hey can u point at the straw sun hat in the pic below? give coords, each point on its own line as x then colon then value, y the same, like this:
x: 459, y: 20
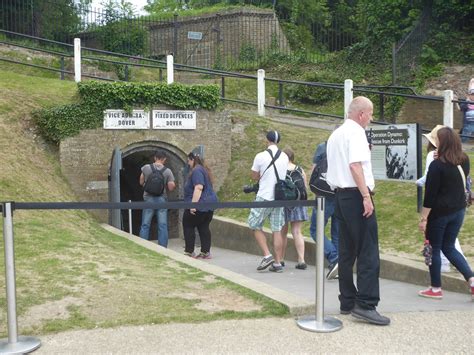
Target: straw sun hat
x: 433, y: 135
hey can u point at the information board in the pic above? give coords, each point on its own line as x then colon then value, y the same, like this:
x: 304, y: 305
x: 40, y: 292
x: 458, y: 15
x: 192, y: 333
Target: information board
x: 394, y: 151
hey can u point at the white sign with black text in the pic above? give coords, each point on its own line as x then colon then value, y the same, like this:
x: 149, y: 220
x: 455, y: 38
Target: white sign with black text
x: 394, y: 151
x: 165, y: 119
x: 121, y: 119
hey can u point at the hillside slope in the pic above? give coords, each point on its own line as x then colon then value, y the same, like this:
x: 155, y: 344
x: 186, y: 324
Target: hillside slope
x: 72, y: 274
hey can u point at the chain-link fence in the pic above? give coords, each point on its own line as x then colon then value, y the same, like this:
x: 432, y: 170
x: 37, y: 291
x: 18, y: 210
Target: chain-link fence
x: 406, y: 54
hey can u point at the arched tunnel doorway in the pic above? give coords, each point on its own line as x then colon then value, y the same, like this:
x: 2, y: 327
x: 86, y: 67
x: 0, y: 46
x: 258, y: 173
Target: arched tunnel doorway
x: 132, y: 159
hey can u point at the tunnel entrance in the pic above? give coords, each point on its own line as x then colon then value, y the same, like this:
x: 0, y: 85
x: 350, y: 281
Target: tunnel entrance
x: 129, y: 170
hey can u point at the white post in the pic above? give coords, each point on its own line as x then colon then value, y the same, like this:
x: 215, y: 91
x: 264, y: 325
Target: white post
x: 348, y: 94
x: 77, y: 60
x: 169, y: 69
x: 130, y: 219
x: 448, y: 108
x: 261, y: 92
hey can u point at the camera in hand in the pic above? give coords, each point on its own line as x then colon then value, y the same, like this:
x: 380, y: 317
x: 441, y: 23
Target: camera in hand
x: 250, y: 188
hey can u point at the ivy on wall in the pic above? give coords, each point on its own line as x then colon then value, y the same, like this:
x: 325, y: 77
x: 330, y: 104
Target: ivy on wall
x: 59, y: 122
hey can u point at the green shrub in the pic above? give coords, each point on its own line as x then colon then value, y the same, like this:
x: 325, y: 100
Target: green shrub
x: 123, y: 37
x: 59, y: 122
x: 314, y: 94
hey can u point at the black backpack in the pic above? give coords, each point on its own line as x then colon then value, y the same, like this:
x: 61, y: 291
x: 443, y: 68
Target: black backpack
x: 155, y: 184
x: 297, y: 177
x: 317, y: 181
x: 284, y: 189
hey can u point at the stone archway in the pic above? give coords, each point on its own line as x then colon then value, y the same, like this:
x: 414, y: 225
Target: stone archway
x: 86, y: 158
x: 133, y: 158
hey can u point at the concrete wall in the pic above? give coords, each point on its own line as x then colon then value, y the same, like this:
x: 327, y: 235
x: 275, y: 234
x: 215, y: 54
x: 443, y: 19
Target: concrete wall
x: 233, y: 235
x: 85, y: 159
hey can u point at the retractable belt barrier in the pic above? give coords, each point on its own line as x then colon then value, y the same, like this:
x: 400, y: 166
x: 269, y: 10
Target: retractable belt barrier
x: 21, y: 344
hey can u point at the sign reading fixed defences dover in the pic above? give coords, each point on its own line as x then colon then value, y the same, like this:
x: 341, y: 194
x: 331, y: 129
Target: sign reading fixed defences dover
x: 163, y: 119
x: 121, y: 119
x: 394, y: 151
x: 140, y: 119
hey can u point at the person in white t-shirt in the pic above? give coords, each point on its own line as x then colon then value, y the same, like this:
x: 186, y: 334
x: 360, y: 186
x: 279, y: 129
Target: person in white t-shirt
x: 264, y: 173
x: 350, y: 175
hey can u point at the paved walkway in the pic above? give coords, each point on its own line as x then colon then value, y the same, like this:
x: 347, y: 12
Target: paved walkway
x: 395, y: 296
x: 418, y: 325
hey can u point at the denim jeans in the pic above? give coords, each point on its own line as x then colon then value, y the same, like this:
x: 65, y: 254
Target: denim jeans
x: 442, y: 233
x: 331, y: 247
x: 468, y: 130
x: 161, y: 218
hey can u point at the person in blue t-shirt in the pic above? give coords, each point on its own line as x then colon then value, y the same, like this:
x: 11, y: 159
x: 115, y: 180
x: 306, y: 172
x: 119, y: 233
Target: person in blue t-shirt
x: 198, y: 188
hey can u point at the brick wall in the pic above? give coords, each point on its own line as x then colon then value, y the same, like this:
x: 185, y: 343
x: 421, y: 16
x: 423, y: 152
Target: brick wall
x: 85, y: 159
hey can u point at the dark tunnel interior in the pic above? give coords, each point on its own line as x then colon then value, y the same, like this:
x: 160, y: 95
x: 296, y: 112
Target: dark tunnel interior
x: 130, y: 189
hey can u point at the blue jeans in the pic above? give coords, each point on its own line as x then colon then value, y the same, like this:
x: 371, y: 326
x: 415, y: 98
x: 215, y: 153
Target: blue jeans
x: 331, y: 247
x: 161, y: 218
x: 442, y: 233
x: 468, y: 130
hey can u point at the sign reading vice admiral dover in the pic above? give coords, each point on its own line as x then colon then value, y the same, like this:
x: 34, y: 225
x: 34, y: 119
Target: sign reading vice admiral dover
x: 120, y: 119
x: 164, y: 119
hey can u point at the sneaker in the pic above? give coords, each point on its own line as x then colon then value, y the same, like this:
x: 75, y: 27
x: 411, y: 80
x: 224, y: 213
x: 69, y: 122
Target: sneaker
x: 276, y: 268
x: 204, y: 255
x: 429, y: 293
x: 332, y: 273
x: 191, y: 255
x: 370, y: 315
x: 266, y: 262
x: 301, y: 266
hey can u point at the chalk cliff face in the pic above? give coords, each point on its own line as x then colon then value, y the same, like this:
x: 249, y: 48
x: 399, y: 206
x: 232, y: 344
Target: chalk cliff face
x: 456, y: 78
x: 430, y: 113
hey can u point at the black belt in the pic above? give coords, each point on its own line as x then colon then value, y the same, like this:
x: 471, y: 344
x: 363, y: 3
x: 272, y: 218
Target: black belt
x: 341, y: 189
x: 346, y: 189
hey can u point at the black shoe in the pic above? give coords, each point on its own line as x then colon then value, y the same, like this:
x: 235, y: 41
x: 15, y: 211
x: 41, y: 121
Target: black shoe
x: 370, y: 315
x: 301, y: 266
x: 332, y: 273
x: 282, y: 263
x: 344, y: 311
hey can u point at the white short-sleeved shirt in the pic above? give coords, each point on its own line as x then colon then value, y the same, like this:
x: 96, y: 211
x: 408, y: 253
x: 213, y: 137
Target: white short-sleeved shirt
x: 268, y: 179
x: 348, y: 144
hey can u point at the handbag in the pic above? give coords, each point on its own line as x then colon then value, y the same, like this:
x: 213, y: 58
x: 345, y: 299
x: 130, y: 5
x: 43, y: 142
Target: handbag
x: 427, y: 252
x: 467, y: 189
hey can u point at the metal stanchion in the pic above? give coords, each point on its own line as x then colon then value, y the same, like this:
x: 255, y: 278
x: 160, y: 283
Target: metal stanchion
x: 130, y: 220
x: 319, y: 323
x: 14, y: 344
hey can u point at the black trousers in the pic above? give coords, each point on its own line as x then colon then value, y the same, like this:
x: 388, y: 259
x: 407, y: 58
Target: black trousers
x: 358, y: 241
x: 201, y: 221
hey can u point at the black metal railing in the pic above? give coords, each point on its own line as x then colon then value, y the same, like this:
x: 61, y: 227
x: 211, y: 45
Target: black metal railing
x: 240, y: 37
x: 378, y: 93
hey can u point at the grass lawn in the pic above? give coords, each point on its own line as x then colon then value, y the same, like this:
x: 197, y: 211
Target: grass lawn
x: 71, y: 273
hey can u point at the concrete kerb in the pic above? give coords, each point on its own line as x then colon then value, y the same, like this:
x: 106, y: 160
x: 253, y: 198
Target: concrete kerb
x: 297, y: 306
x: 233, y: 235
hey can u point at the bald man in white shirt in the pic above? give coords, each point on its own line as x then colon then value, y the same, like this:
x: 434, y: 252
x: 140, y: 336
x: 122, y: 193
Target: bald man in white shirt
x: 350, y: 174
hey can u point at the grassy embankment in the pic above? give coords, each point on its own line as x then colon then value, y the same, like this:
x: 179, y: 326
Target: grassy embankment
x: 72, y: 274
